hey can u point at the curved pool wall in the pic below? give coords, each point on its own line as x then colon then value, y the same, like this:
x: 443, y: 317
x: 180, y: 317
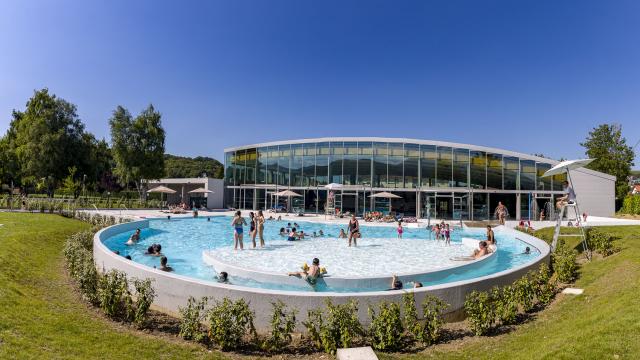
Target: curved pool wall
x: 174, y: 290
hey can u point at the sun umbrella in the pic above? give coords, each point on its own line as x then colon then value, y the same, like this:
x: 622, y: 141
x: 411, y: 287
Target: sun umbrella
x: 288, y: 194
x: 200, y: 191
x: 565, y: 166
x: 162, y: 190
x: 386, y: 195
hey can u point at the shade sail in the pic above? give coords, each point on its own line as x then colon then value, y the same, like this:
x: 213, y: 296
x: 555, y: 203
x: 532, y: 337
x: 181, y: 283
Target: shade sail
x: 287, y: 193
x: 567, y: 165
x: 161, y: 189
x: 200, y: 191
x: 386, y: 195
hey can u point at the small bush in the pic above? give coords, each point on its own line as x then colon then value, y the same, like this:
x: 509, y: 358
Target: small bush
x: 80, y: 264
x: 480, y: 312
x: 314, y: 325
x: 114, y: 295
x: 564, y: 263
x: 386, y: 328
x: 601, y: 242
x: 192, y: 317
x: 340, y: 327
x: 229, y: 322
x: 524, y: 294
x: 432, y: 310
x: 506, y: 304
x: 144, y: 298
x: 543, y: 286
x: 411, y: 323
x: 282, y: 325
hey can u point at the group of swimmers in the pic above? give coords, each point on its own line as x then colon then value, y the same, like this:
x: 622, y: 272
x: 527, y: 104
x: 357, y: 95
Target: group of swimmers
x: 152, y: 250
x: 442, y: 231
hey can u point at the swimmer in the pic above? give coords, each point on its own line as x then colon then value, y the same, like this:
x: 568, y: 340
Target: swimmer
x: 527, y: 251
x: 163, y: 264
x: 283, y: 232
x: 342, y: 235
x: 223, y: 277
x: 134, y: 238
x: 311, y: 275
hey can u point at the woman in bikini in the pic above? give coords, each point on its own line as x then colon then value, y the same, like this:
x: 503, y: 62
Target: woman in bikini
x: 253, y: 231
x: 237, y: 223
x: 260, y: 223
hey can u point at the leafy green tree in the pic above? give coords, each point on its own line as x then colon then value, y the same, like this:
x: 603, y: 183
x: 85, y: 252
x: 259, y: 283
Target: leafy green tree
x: 613, y: 156
x: 71, y: 185
x: 137, y: 146
x: 46, y: 140
x: 8, y: 162
x: 185, y: 167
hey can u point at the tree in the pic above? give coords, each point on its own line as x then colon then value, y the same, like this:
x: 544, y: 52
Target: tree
x: 46, y: 140
x: 186, y: 167
x: 137, y: 146
x: 606, y: 144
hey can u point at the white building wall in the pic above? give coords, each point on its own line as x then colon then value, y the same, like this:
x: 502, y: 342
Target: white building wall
x: 214, y: 200
x: 595, y: 192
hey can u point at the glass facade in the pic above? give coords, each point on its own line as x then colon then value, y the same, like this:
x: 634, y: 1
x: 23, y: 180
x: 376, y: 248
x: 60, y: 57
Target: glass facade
x: 476, y: 179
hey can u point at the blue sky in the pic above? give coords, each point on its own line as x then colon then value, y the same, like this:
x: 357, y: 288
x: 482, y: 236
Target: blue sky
x: 529, y: 76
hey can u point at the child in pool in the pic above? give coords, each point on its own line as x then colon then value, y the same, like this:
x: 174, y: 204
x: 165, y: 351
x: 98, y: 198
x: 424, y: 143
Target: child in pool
x: 399, y: 229
x: 447, y: 235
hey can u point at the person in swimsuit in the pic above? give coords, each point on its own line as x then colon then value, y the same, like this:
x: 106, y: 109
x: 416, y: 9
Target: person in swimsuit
x: 447, y: 235
x: 293, y: 235
x: 311, y: 275
x: 399, y: 229
x: 260, y: 223
x: 501, y: 212
x: 283, y: 232
x: 253, y: 231
x: 437, y: 231
x: 491, y: 246
x: 396, y: 284
x: 237, y: 223
x: 163, y: 264
x: 354, y: 230
x: 490, y: 234
x: 134, y: 238
x: 342, y: 235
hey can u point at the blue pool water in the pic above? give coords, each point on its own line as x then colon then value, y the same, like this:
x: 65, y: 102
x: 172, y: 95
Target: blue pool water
x: 184, y: 240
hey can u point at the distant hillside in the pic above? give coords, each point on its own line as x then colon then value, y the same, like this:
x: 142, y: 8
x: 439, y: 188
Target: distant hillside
x: 186, y: 167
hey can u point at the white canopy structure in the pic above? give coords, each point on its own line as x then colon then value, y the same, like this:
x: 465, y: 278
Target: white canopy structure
x: 566, y: 166
x: 385, y: 194
x: 200, y: 191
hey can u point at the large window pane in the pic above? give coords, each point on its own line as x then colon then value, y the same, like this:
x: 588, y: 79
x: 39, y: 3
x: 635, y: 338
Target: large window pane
x: 322, y: 164
x: 296, y: 165
x: 494, y: 171
x: 380, y: 152
x: 309, y: 164
x: 365, y: 154
x: 444, y: 167
x: 272, y: 165
x: 250, y: 163
x: 261, y: 166
x: 411, y: 164
x: 428, y: 157
x: 229, y: 172
x: 511, y: 169
x: 543, y: 183
x: 527, y: 174
x: 478, y: 169
x: 396, y: 158
x: 240, y: 161
x: 350, y: 163
x: 284, y: 161
x: 460, y: 167
x: 335, y: 162
x: 558, y: 180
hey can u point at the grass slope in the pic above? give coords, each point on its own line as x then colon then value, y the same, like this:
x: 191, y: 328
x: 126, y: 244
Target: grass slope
x: 602, y: 323
x: 41, y: 316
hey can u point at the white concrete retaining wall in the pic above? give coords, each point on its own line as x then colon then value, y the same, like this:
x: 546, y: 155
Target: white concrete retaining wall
x: 173, y: 290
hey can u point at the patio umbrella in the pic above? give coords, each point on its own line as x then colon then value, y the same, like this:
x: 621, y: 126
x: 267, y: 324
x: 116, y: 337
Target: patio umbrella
x: 162, y: 190
x: 386, y: 195
x: 288, y: 194
x: 565, y: 166
x: 200, y: 191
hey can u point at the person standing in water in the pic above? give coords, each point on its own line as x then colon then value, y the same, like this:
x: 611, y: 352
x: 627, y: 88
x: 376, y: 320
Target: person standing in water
x: 252, y: 229
x: 490, y: 234
x: 237, y: 223
x: 400, y: 229
x: 354, y: 230
x: 260, y: 223
x: 501, y: 212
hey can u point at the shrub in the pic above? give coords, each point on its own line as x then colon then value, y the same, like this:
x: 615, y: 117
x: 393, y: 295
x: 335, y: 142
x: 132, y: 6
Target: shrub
x: 114, y: 295
x: 480, y: 312
x: 564, y: 262
x: 544, y: 287
x: 282, y: 325
x: 80, y: 264
x: 340, y: 327
x: 386, y: 328
x: 432, y: 309
x: 524, y: 293
x: 229, y: 322
x: 505, y: 303
x: 144, y: 298
x: 192, y: 317
x: 411, y: 323
x: 601, y: 242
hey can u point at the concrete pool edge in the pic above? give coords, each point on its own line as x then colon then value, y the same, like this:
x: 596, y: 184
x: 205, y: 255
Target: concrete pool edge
x: 174, y: 290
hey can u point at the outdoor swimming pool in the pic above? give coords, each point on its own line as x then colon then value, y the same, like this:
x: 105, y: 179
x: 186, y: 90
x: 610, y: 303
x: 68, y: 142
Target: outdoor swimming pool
x: 379, y: 254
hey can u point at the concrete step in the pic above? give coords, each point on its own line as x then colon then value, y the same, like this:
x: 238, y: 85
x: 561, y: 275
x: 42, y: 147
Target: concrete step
x: 361, y: 353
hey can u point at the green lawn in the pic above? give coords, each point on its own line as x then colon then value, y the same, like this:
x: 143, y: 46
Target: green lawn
x: 40, y: 315
x: 602, y: 323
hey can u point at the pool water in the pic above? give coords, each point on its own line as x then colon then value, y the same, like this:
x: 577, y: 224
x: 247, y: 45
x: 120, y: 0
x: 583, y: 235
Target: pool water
x: 379, y: 252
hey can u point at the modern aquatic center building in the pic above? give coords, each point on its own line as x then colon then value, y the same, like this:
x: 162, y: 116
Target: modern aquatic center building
x: 431, y: 179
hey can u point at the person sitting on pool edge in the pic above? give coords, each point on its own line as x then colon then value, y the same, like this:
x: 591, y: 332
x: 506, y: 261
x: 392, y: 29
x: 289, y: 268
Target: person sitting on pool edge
x: 396, y: 284
x: 311, y: 275
x: 163, y: 264
x: 293, y: 235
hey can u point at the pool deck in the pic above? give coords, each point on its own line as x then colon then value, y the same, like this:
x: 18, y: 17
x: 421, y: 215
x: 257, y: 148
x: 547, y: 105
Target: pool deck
x: 150, y: 214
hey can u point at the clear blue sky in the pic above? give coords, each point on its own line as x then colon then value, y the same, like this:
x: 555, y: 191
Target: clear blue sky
x: 529, y: 76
